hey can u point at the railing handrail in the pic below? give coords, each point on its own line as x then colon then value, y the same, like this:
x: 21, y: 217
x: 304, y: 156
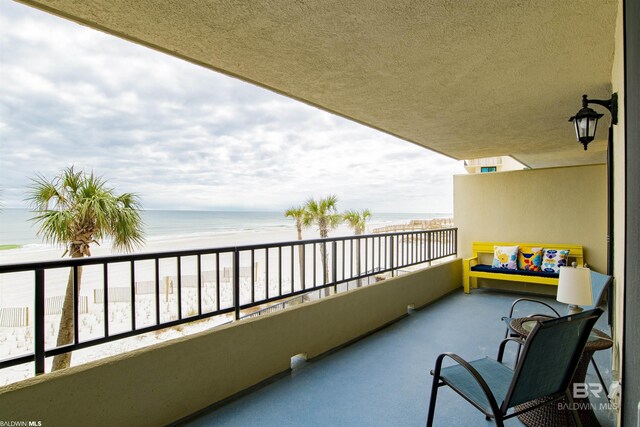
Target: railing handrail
x: 374, y: 254
x: 144, y: 256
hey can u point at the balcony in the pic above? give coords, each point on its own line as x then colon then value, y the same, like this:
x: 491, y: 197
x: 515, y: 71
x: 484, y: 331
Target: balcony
x: 384, y: 378
x: 367, y: 361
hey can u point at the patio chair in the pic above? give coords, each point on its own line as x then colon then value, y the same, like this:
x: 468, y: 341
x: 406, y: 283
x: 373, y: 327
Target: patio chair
x: 599, y: 287
x: 494, y: 388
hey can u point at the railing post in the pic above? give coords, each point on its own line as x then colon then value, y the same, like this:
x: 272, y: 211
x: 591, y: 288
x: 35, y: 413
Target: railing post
x: 236, y: 282
x: 334, y: 265
x: 76, y: 315
x: 455, y: 241
x: 429, y: 256
x: 179, y: 284
x: 199, y: 279
x: 325, y: 260
x: 391, y: 261
x: 39, y: 323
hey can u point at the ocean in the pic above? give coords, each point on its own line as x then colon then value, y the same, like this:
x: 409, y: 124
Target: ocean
x: 17, y: 229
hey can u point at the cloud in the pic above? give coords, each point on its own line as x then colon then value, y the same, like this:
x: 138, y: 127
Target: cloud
x: 184, y: 137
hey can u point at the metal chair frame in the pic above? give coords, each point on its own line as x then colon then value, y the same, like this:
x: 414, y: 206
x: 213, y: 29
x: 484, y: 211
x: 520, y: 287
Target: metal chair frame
x: 511, y: 333
x: 499, y: 412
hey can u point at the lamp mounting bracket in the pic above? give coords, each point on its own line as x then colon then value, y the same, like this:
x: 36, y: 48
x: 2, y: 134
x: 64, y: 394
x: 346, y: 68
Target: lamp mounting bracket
x: 610, y: 104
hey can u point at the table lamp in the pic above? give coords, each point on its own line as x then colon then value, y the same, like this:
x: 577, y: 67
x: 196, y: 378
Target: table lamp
x: 574, y: 288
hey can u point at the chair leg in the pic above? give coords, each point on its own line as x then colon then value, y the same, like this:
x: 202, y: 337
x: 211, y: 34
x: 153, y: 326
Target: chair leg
x: 593, y: 362
x: 432, y: 400
x: 499, y: 420
x: 572, y: 409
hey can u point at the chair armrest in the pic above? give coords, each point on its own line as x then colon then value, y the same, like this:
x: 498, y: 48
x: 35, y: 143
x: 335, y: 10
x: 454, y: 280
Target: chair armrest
x: 513, y: 305
x: 504, y: 343
x: 474, y: 373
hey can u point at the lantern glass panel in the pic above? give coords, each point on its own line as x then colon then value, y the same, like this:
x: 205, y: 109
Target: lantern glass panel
x: 591, y: 128
x: 576, y: 125
x: 582, y: 127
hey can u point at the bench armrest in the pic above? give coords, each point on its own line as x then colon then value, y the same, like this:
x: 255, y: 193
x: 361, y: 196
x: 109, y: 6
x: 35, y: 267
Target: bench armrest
x: 471, y: 261
x: 467, y: 263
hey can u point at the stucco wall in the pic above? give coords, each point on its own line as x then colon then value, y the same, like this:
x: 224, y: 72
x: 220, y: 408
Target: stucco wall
x: 511, y: 164
x: 166, y: 382
x: 556, y: 205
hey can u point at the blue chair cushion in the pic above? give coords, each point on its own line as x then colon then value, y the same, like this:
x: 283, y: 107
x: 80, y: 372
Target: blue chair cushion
x: 489, y: 269
x: 497, y: 376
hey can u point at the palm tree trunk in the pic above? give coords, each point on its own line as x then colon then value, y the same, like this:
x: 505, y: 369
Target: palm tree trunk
x: 65, y: 331
x: 324, y: 233
x: 325, y: 268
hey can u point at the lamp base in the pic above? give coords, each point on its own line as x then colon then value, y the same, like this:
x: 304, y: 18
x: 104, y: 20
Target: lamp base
x: 575, y: 309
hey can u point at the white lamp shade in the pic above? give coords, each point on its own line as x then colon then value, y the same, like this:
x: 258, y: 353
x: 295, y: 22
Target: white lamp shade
x: 574, y: 286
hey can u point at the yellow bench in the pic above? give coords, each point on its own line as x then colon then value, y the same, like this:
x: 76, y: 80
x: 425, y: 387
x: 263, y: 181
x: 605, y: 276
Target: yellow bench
x: 470, y: 278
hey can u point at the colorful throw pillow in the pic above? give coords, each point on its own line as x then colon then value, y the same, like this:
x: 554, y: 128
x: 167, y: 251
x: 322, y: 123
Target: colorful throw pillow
x: 553, y: 259
x: 530, y: 260
x: 505, y: 257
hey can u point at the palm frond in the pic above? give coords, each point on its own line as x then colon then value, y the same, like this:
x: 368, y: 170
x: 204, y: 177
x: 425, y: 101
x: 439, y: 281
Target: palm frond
x: 334, y: 220
x: 295, y: 212
x: 42, y: 193
x: 357, y: 219
x: 323, y: 213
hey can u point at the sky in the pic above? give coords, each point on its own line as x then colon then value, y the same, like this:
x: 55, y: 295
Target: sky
x: 184, y: 137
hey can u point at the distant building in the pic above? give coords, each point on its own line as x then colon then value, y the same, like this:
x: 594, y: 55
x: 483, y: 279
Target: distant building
x: 493, y: 164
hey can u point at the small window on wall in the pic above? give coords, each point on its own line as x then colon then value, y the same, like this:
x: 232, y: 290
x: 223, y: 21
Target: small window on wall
x: 484, y: 169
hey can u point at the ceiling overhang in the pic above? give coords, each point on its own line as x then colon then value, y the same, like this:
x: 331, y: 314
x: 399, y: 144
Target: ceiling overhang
x: 466, y: 79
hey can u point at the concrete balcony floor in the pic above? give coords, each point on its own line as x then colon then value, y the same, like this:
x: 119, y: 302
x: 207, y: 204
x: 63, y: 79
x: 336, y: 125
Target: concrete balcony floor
x: 384, y: 380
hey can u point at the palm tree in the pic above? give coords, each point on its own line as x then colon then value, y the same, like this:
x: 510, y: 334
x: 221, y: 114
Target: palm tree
x: 75, y: 210
x: 358, y: 221
x: 324, y: 214
x: 298, y: 213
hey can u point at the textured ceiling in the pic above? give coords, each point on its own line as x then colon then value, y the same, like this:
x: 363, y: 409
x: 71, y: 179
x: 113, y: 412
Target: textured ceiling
x: 468, y: 79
